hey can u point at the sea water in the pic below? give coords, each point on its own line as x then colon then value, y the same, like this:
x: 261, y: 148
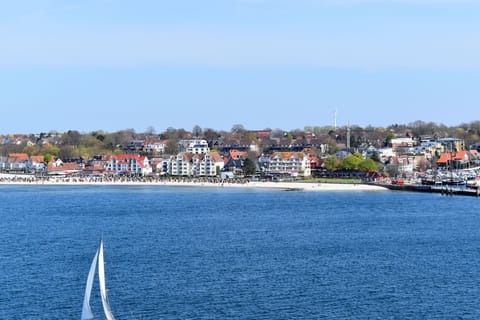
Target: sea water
x: 224, y: 253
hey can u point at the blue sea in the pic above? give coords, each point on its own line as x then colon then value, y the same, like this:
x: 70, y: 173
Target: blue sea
x: 218, y: 253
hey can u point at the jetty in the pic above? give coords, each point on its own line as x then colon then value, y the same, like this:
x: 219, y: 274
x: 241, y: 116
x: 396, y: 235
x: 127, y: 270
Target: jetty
x: 444, y: 190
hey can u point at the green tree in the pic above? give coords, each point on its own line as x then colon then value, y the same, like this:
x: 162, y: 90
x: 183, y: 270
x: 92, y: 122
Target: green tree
x: 249, y: 167
x: 30, y: 150
x: 48, y: 157
x: 52, y: 150
x: 367, y: 165
x: 389, y: 138
x: 351, y: 162
x: 331, y: 163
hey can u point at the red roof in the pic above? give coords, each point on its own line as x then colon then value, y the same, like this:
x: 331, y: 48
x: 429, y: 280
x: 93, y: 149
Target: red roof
x: 19, y: 156
x: 38, y: 159
x: 235, y: 154
x: 121, y: 157
x: 63, y: 166
x: 445, y: 157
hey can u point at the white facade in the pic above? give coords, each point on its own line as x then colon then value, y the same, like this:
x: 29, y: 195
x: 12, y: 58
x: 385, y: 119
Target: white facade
x: 180, y: 165
x: 35, y: 163
x: 154, y: 146
x: 12, y: 163
x: 190, y: 164
x: 402, y: 143
x: 128, y: 163
x: 193, y: 146
x: 293, y: 163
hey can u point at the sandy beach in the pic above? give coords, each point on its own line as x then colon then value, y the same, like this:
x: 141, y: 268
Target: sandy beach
x: 8, y: 179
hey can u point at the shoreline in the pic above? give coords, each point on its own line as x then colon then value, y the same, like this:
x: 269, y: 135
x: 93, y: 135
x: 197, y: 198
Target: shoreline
x: 287, y: 186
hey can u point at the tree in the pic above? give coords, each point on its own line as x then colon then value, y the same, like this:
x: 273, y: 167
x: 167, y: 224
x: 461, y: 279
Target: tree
x: 331, y: 163
x: 113, y: 140
x: 66, y: 152
x: 197, y: 131
x: 30, y: 150
x: 72, y: 137
x: 150, y: 131
x: 210, y: 134
x: 392, y: 170
x: 375, y: 156
x: 171, y: 147
x: 238, y: 128
x: 248, y: 167
x: 389, y: 138
x: 422, y: 164
x: 351, y: 162
x: 52, y: 150
x: 367, y: 165
x: 47, y: 158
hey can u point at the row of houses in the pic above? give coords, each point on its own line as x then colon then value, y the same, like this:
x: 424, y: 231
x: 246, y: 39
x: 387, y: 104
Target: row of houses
x: 196, y: 159
x: 182, y: 164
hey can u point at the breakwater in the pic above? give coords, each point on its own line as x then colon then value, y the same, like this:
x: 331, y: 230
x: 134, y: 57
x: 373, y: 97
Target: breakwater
x: 444, y: 190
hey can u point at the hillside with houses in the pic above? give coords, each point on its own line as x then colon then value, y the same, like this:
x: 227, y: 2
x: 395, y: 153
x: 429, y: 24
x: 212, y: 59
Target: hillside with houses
x: 420, y: 150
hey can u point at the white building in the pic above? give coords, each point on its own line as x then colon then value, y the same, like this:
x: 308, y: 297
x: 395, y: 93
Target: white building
x: 292, y: 163
x: 402, y: 143
x: 36, y: 163
x: 196, y: 146
x: 191, y: 164
x: 130, y: 164
x: 152, y: 146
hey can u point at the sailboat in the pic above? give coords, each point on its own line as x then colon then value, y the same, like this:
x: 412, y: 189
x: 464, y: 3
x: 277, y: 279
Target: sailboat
x: 87, y: 313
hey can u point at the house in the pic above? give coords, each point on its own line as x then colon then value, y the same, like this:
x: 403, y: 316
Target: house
x: 19, y: 156
x: 457, y: 160
x: 234, y: 161
x: 385, y: 154
x: 195, y: 146
x: 399, y: 144
x: 452, y: 144
x: 3, y: 163
x: 405, y: 164
x: 289, y: 163
x: 243, y: 145
x: 58, y: 167
x: 129, y: 164
x: 154, y: 146
x: 16, y: 162
x: 36, y: 163
x: 192, y: 164
x: 133, y: 147
x: 207, y: 164
x: 429, y: 148
x: 180, y: 165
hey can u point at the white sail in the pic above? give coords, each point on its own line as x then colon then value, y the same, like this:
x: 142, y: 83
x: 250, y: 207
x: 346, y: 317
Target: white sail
x: 86, y: 310
x: 103, y: 289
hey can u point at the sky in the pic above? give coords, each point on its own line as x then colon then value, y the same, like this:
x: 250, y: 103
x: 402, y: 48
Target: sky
x: 88, y: 65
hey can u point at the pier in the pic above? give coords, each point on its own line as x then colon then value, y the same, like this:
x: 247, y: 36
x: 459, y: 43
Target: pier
x: 443, y: 190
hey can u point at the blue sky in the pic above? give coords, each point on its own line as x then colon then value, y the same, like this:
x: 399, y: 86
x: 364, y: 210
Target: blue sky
x: 111, y: 65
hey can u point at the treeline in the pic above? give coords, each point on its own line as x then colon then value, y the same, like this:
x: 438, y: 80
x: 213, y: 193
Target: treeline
x: 75, y: 144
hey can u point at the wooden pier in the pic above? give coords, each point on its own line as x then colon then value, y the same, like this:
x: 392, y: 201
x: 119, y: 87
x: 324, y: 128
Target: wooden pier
x: 444, y: 190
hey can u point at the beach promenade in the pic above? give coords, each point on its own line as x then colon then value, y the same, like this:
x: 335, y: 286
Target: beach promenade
x: 8, y: 179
